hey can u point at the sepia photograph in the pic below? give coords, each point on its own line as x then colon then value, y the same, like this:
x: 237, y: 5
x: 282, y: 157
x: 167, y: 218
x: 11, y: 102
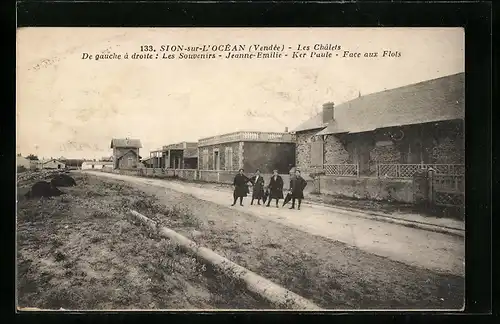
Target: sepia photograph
x: 311, y: 169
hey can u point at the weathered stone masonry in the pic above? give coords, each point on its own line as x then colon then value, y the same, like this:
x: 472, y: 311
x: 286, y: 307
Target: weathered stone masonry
x: 334, y: 151
x: 432, y: 143
x: 303, y: 149
x: 222, y: 155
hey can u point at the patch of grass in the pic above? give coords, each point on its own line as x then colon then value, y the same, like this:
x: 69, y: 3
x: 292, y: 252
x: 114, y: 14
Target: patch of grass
x: 169, y: 259
x: 100, y: 214
x: 147, y: 204
x: 183, y: 216
x: 94, y: 193
x: 96, y: 239
x: 65, y: 199
x: 60, y: 257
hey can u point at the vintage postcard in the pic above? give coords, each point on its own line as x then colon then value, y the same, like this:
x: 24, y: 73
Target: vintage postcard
x: 240, y: 168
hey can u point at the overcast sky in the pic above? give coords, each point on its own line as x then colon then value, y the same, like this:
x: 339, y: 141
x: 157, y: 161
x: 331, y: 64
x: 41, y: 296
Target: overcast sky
x: 71, y: 107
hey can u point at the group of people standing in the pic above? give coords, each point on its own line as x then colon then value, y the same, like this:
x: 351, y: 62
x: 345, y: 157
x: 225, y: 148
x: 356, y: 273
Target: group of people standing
x: 274, y: 188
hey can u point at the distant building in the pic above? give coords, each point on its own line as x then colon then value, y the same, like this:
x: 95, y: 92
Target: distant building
x: 50, y: 164
x: 126, y: 153
x: 181, y: 155
x: 22, y: 162
x: 148, y: 162
x: 97, y: 165
x: 249, y: 150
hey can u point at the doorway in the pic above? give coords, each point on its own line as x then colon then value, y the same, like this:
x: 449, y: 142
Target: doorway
x: 216, y: 160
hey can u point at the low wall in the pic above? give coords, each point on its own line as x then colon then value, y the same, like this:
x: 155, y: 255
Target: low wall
x: 224, y: 177
x: 188, y: 174
x: 400, y: 190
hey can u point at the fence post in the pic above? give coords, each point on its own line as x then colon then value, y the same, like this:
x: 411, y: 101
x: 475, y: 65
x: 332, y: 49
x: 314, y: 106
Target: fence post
x: 430, y: 172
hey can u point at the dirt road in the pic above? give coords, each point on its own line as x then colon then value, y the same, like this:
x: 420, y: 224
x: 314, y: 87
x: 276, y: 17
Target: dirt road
x: 429, y: 250
x: 331, y: 273
x: 80, y: 251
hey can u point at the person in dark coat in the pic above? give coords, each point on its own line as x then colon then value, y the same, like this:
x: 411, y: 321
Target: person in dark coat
x: 275, y: 188
x: 240, y: 187
x: 258, y: 187
x: 297, y: 185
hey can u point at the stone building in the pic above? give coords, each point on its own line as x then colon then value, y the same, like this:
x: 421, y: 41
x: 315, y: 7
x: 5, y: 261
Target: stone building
x: 126, y: 153
x: 390, y: 133
x: 248, y: 150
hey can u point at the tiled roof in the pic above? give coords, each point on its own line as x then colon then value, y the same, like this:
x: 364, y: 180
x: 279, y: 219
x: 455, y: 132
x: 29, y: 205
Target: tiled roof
x: 125, y: 142
x: 315, y: 122
x: 429, y: 101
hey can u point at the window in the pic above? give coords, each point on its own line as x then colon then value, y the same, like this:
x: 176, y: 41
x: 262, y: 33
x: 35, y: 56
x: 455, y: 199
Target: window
x: 216, y: 163
x: 229, y: 159
x: 205, y: 159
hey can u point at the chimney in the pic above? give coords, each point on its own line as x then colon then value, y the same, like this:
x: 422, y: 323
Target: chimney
x: 328, y: 112
x: 286, y: 129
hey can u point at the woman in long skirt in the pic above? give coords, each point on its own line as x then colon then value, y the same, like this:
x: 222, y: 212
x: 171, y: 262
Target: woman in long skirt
x: 258, y: 187
x: 275, y: 188
x: 297, y: 185
x: 240, y: 188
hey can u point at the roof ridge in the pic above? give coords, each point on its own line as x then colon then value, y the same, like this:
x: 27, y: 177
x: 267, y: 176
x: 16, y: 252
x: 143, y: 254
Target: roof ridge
x: 317, y: 120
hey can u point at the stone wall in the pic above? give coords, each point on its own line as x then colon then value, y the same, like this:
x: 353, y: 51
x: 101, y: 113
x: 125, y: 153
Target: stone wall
x: 385, y: 154
x: 222, y: 153
x: 222, y: 177
x: 367, y: 188
x: 447, y: 150
x: 303, y: 150
x: 335, y: 152
x: 432, y: 143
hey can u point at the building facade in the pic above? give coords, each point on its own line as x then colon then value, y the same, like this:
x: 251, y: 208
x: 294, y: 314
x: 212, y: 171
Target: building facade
x: 265, y: 151
x: 50, y: 164
x: 390, y: 134
x: 182, y: 155
x: 96, y: 165
x: 126, y: 153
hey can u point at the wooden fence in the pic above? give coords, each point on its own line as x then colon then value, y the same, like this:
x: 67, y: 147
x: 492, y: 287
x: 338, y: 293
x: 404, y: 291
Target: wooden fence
x: 408, y: 170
